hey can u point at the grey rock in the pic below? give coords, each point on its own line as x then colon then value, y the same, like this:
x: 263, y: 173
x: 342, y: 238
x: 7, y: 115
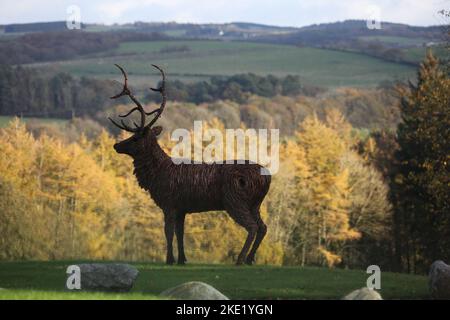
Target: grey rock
x: 363, y: 294
x: 194, y: 290
x: 115, y: 277
x: 439, y: 280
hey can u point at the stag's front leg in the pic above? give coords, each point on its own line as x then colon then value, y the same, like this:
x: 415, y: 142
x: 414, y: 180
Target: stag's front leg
x: 169, y: 226
x: 179, y: 230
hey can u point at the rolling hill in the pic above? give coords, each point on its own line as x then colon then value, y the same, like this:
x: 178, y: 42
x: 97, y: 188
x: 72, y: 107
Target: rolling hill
x: 203, y: 59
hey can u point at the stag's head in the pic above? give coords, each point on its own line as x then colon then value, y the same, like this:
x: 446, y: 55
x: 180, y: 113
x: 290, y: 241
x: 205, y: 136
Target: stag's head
x: 144, y: 135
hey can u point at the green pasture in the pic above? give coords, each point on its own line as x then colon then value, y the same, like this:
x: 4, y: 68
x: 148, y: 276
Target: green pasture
x: 46, y: 280
x: 208, y: 58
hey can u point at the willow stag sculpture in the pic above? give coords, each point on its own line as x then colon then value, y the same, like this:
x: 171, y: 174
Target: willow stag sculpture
x: 179, y: 189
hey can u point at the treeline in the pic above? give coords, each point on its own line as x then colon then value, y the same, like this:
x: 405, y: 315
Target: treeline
x: 375, y: 48
x: 38, y: 27
x: 364, y: 109
x: 62, y: 45
x: 24, y: 92
x: 238, y: 88
x: 255, y: 100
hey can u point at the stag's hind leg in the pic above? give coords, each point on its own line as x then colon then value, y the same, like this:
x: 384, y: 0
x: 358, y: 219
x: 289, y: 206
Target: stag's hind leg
x: 252, y: 230
x: 262, y: 230
x: 244, y: 218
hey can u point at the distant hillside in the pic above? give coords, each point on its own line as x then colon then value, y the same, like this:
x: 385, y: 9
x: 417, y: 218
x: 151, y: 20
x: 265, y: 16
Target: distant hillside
x: 47, y: 41
x: 316, y: 34
x: 333, y: 33
x: 392, y: 42
x: 229, y: 31
x: 64, y: 45
x: 37, y: 27
x: 326, y: 55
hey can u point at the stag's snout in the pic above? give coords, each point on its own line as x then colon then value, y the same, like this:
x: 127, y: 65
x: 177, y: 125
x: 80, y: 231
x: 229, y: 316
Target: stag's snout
x: 120, y: 148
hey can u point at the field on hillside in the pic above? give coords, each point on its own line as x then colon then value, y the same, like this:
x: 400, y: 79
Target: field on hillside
x: 402, y: 41
x: 4, y: 121
x: 417, y: 54
x: 203, y: 59
x: 46, y: 280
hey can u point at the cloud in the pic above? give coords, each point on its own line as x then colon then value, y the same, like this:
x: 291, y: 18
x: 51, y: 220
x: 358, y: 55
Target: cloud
x: 113, y: 11
x: 280, y: 12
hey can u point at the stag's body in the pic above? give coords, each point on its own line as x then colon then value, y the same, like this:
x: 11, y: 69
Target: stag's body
x: 182, y: 188
x: 201, y: 187
x: 179, y: 189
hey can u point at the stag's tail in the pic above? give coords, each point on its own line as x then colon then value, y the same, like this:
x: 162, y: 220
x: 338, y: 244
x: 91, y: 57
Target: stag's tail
x: 265, y: 180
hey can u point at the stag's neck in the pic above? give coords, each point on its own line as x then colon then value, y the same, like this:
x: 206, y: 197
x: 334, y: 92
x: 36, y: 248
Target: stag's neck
x: 147, y: 166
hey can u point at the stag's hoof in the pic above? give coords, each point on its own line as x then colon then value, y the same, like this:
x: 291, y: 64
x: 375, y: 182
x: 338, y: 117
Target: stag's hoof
x: 249, y: 261
x: 181, y: 262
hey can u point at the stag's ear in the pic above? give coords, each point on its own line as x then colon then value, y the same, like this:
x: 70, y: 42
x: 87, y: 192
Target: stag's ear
x: 157, y: 130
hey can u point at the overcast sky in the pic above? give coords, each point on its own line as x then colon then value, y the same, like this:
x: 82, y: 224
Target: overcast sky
x: 275, y: 12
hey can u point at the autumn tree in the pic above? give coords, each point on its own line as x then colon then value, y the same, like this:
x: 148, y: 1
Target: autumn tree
x: 323, y: 219
x: 71, y: 199
x: 328, y: 204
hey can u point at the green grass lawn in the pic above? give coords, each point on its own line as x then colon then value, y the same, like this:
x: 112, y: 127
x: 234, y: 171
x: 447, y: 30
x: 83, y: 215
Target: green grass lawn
x: 207, y: 58
x: 46, y: 280
x: 58, y: 295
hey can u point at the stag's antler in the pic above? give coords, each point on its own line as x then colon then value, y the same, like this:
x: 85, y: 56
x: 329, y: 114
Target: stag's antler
x: 126, y: 92
x: 162, y: 91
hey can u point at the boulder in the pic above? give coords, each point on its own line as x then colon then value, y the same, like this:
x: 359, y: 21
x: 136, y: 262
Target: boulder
x: 194, y: 290
x: 115, y: 277
x: 363, y: 294
x: 439, y: 280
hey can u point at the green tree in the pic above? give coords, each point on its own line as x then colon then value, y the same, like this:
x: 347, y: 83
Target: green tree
x: 424, y: 140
